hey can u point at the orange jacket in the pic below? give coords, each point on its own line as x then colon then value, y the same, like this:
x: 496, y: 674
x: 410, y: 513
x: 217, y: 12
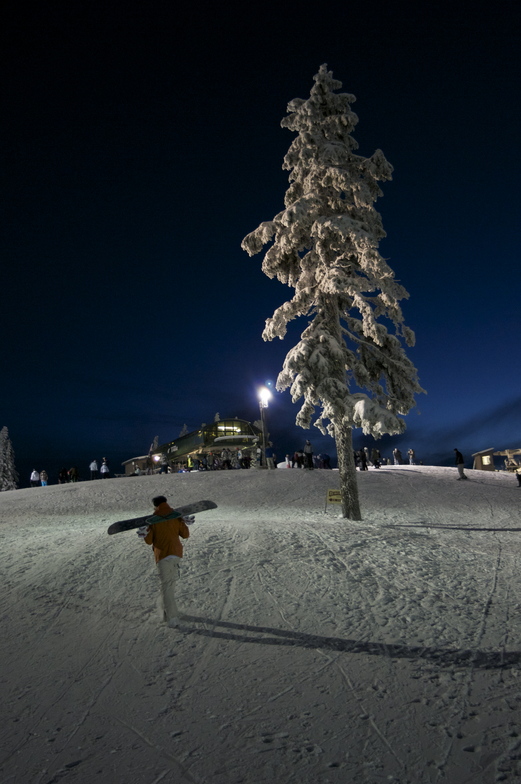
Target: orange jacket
x: 164, y: 536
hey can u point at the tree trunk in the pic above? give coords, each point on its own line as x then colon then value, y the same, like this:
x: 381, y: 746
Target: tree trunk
x: 347, y: 470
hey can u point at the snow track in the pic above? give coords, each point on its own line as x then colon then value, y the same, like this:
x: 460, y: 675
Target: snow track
x: 317, y: 650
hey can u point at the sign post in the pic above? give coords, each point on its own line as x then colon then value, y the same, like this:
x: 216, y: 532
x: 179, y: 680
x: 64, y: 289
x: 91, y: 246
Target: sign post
x: 333, y: 497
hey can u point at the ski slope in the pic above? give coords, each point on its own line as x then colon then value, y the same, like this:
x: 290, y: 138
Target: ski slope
x: 316, y: 649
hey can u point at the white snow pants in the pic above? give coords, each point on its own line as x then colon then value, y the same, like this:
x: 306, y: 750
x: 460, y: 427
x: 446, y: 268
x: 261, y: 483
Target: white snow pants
x: 168, y: 569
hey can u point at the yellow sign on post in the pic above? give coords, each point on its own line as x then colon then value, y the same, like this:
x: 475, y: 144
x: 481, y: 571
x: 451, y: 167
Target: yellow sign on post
x: 333, y: 497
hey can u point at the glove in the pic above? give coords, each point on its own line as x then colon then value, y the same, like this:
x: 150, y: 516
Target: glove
x: 143, y: 531
x: 189, y: 519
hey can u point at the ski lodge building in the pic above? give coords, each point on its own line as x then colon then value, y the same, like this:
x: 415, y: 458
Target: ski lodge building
x: 232, y: 434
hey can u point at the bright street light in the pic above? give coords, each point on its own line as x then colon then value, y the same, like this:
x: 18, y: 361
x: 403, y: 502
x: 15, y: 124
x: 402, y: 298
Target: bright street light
x: 264, y: 397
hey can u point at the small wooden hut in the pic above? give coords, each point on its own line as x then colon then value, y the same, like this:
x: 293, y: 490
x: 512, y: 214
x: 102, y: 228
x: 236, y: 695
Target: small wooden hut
x: 484, y: 460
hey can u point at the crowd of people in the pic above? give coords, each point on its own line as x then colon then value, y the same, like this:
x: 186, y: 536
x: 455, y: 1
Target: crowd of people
x: 208, y: 461
x: 228, y: 459
x: 364, y: 458
x: 66, y: 475
x: 305, y: 458
x: 225, y: 460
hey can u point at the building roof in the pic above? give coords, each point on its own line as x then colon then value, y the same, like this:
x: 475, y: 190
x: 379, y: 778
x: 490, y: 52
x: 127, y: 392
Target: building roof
x: 132, y: 459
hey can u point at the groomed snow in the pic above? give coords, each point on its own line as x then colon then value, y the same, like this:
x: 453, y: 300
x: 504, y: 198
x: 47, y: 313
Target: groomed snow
x: 317, y: 650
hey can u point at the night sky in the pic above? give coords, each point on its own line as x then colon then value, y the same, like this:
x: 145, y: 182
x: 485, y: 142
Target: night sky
x: 141, y: 142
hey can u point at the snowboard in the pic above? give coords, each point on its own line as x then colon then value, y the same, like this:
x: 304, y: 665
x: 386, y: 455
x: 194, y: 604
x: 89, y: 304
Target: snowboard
x: 136, y: 522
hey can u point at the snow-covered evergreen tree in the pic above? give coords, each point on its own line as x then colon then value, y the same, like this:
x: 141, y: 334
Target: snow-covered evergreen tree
x: 325, y: 246
x: 217, y: 418
x: 184, y: 431
x: 8, y: 474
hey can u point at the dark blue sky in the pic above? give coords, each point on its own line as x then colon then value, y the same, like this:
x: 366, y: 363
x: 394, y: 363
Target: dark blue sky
x: 141, y: 143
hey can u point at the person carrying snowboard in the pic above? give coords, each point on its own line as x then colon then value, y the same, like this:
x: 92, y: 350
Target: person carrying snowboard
x: 163, y: 533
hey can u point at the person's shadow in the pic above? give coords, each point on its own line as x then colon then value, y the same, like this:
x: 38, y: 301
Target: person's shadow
x: 264, y: 635
x: 443, y: 527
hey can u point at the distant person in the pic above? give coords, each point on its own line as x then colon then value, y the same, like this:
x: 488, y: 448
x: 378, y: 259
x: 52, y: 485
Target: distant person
x: 376, y: 458
x: 35, y: 478
x: 397, y: 455
x: 326, y: 461
x: 412, y: 457
x: 164, y: 465
x: 270, y: 458
x: 518, y: 475
x: 105, y: 470
x: 163, y: 534
x: 63, y: 477
x: 460, y: 463
x: 308, y: 455
x: 74, y: 474
x: 362, y: 459
x: 44, y: 478
x: 93, y: 468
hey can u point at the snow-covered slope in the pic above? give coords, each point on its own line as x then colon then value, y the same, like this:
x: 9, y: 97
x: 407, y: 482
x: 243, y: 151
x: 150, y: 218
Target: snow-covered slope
x: 317, y: 649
